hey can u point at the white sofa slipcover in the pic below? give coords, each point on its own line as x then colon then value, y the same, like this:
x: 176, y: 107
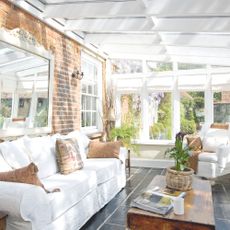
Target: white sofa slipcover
x: 82, y: 193
x: 214, y: 160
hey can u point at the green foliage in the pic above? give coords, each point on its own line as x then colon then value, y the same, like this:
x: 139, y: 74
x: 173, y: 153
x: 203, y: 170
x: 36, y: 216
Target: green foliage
x: 217, y: 96
x: 126, y: 132
x: 179, y: 153
x: 41, y: 120
x: 164, y: 123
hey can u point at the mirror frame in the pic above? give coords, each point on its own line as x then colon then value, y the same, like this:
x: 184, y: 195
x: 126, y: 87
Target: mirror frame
x: 25, y: 41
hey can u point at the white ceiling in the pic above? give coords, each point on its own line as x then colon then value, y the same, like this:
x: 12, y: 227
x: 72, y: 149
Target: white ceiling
x: 195, y: 31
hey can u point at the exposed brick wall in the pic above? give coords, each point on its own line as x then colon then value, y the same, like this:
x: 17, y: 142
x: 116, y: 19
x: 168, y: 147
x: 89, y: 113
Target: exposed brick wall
x: 67, y: 55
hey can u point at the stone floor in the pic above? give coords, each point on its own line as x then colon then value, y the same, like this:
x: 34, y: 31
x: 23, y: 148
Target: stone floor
x: 113, y: 215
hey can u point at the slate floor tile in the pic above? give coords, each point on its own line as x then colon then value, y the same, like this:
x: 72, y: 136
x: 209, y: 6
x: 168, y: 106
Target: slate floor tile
x: 113, y: 215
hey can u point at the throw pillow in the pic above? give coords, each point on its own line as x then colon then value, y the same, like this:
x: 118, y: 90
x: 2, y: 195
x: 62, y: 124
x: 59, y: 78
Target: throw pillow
x: 194, y: 143
x: 219, y: 126
x: 27, y: 175
x: 68, y: 155
x: 104, y: 149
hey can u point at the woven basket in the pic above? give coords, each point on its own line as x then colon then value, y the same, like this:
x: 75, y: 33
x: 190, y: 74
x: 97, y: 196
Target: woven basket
x: 179, y: 180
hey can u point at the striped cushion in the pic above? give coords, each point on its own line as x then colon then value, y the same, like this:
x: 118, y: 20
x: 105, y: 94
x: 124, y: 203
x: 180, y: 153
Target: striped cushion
x: 68, y: 155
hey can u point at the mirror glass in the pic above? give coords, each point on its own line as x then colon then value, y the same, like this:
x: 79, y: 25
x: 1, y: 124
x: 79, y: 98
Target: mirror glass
x: 24, y: 88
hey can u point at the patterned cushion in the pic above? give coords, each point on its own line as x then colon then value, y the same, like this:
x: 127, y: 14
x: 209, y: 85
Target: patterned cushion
x: 104, y: 149
x: 194, y: 143
x: 27, y: 175
x: 68, y: 155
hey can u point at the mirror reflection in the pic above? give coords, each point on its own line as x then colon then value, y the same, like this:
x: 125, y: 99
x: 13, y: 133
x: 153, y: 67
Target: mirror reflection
x: 24, y: 81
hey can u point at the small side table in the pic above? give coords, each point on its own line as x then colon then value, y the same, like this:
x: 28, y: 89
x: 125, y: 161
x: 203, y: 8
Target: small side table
x: 2, y: 221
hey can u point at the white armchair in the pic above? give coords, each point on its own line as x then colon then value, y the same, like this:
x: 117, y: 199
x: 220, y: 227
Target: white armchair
x: 214, y: 159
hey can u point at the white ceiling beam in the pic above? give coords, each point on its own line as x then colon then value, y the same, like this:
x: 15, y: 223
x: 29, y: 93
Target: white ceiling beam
x: 135, y: 49
x: 201, y: 60
x: 148, y: 39
x: 106, y: 25
x: 164, y: 8
x: 193, y: 25
x: 141, y: 56
x: 143, y: 3
x: 200, y: 51
x: 196, y: 40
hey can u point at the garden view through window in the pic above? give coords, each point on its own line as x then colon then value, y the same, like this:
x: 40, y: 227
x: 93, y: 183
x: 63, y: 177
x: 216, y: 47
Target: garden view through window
x: 192, y: 111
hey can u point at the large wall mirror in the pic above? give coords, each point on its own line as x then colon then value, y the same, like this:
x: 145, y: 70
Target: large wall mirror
x: 25, y: 85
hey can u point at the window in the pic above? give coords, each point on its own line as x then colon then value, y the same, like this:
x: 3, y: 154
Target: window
x: 160, y: 115
x: 221, y: 101
x: 24, y: 105
x: 91, y: 93
x: 6, y: 107
x: 192, y: 111
x: 131, y: 111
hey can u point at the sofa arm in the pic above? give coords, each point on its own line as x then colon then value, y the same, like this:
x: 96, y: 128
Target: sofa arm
x: 223, y: 155
x: 123, y: 154
x: 25, y: 201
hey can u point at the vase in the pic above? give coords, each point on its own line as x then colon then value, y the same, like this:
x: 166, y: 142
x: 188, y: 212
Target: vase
x: 179, y: 180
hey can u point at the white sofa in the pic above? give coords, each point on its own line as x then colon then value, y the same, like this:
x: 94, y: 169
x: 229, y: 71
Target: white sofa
x: 214, y: 160
x: 82, y: 193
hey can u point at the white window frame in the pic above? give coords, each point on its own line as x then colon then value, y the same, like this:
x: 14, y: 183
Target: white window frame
x: 99, y: 112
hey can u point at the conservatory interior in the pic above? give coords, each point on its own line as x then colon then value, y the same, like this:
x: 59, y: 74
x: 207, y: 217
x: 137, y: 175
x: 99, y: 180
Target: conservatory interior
x: 157, y: 67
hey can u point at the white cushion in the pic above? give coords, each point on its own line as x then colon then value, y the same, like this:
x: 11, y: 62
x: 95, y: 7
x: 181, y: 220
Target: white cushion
x: 210, y: 143
x: 4, y: 166
x: 208, y: 157
x: 42, y: 153
x: 217, y: 133
x: 15, y: 153
x: 83, y: 142
x: 105, y: 168
x: 73, y: 188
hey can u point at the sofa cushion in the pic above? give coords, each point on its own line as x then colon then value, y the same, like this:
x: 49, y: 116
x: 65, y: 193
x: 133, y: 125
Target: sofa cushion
x: 15, y: 153
x: 208, y: 157
x: 210, y: 143
x: 42, y: 153
x: 68, y: 156
x: 104, y: 149
x: 105, y: 168
x: 83, y: 142
x: 27, y: 175
x: 4, y: 166
x: 73, y: 188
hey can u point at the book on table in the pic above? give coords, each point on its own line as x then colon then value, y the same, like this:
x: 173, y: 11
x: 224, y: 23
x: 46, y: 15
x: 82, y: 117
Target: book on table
x: 158, y: 200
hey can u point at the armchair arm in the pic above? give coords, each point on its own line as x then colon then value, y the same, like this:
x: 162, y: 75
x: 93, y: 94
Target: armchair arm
x: 223, y: 155
x: 25, y: 201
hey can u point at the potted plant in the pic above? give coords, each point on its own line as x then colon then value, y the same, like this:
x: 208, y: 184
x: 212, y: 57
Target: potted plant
x: 179, y: 176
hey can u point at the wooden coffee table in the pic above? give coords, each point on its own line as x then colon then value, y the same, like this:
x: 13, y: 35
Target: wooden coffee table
x: 198, y: 214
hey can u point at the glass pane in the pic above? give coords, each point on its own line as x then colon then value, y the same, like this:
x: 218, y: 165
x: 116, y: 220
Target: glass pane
x: 6, y: 107
x: 94, y: 103
x: 6, y: 104
x: 94, y: 118
x: 83, y: 102
x: 131, y: 112
x: 41, y: 118
x: 88, y: 102
x: 83, y: 88
x: 221, y: 106
x: 88, y: 119
x: 24, y: 105
x: 82, y: 119
x: 127, y: 66
x: 90, y: 89
x: 160, y: 115
x: 192, y: 111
